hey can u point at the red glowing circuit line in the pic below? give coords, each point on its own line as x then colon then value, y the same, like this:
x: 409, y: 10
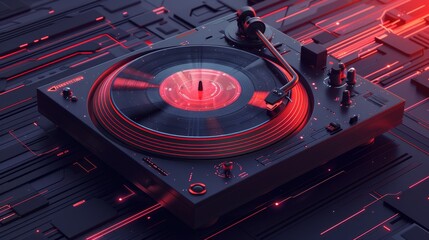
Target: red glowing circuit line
x: 64, y: 49
x: 6, y: 217
x: 312, y: 187
x: 4, y: 200
x: 47, y: 64
x: 376, y: 80
x: 387, y: 228
x: 359, y: 42
x: 404, y: 79
x: 358, y: 212
x: 71, y: 46
x: 382, y: 69
x: 25, y: 146
x: 418, y: 182
x: 343, y: 221
x: 65, y: 57
x: 62, y: 153
x: 16, y: 103
x: 77, y: 204
x: 416, y: 9
x: 416, y: 104
x: 86, y: 170
x: 12, y: 89
x: 369, y: 52
x: 274, y: 12
x: 308, y: 36
x: 132, y: 193
x: 12, y: 53
x: 51, y: 231
x: 411, y: 25
x: 357, y: 38
x: 339, y: 21
x: 235, y: 223
x: 275, y: 204
x: 293, y: 14
x: 124, y: 222
x: 159, y: 10
x: 89, y: 59
x: 70, y: 37
x: 4, y: 208
x: 8, y: 206
x: 376, y: 226
x: 410, y: 143
x: 416, y: 31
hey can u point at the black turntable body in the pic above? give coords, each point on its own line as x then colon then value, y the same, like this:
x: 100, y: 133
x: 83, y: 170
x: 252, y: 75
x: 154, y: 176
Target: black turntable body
x: 186, y: 119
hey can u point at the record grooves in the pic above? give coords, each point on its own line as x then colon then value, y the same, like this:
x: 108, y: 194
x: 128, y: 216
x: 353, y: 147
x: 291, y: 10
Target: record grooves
x: 135, y: 113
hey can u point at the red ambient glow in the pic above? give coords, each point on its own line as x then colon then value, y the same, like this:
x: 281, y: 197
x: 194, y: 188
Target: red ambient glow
x: 200, y: 90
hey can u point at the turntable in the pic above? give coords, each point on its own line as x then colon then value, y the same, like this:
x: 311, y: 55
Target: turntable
x: 215, y: 117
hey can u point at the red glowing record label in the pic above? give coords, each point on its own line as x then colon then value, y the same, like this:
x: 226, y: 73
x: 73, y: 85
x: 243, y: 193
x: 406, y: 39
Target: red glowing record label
x: 200, y: 89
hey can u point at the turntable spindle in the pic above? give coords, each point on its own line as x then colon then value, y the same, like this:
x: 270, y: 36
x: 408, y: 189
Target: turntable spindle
x: 200, y: 86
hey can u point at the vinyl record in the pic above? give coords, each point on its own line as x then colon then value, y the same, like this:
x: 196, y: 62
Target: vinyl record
x: 196, y: 102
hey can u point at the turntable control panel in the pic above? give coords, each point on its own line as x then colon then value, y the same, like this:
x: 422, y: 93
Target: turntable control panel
x: 186, y: 119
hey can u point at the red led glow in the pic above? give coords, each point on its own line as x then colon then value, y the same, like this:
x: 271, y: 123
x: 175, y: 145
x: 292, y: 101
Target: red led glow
x: 79, y: 203
x: 219, y: 89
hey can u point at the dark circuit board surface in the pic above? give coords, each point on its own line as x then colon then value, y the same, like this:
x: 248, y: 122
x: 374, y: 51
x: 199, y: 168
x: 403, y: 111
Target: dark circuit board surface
x: 53, y: 188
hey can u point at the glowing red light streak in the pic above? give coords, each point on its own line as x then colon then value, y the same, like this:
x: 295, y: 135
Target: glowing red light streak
x: 376, y: 226
x: 416, y: 9
x: 48, y: 64
x: 343, y: 221
x: 131, y: 193
x: 93, y: 166
x: 312, y: 187
x: 26, y: 147
x: 6, y: 217
x: 77, y: 204
x: 12, y: 89
x: 387, y: 228
x: 274, y: 12
x: 404, y: 79
x: 358, y: 212
x: 418, y: 182
x: 416, y: 104
x: 376, y: 80
x: 293, y: 14
x: 382, y: 69
x: 28, y: 199
x: 124, y: 222
x: 89, y: 59
x: 235, y: 223
x: 12, y: 53
x: 16, y: 103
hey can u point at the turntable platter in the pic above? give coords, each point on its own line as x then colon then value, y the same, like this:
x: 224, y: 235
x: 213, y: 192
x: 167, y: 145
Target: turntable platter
x: 197, y: 102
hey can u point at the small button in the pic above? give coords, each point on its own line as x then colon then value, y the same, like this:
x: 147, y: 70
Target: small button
x: 333, y: 127
x: 197, y: 189
x: 73, y: 99
x: 353, y: 120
